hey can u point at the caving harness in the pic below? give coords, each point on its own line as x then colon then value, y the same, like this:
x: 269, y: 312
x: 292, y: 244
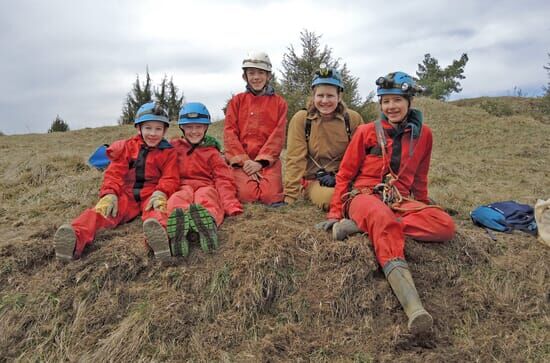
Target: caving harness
x: 386, y: 189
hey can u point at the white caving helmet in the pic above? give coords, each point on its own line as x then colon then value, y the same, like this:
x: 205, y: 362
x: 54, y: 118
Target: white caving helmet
x: 258, y: 60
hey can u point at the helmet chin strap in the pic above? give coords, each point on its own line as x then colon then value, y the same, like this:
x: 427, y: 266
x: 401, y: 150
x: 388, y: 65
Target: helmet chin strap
x: 138, y: 126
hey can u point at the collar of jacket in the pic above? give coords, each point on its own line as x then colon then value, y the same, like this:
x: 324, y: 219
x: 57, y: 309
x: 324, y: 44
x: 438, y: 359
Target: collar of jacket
x: 414, y: 122
x: 269, y: 90
x: 317, y: 115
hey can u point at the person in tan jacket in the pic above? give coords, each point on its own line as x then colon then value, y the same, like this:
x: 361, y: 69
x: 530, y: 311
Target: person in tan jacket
x: 317, y: 140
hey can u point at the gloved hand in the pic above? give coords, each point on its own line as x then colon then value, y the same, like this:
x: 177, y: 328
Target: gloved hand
x: 327, y: 180
x: 157, y: 201
x: 107, y: 206
x: 326, y: 225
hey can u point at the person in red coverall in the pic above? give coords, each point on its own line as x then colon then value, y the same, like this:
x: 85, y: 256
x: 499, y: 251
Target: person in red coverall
x: 382, y: 185
x: 142, y: 173
x: 207, y: 192
x: 254, y: 134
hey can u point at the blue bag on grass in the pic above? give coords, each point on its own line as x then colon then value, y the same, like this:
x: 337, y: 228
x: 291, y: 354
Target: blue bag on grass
x: 505, y: 217
x: 99, y: 158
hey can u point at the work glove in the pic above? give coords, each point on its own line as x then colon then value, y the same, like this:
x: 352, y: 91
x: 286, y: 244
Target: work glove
x: 328, y: 180
x: 107, y: 206
x: 157, y: 201
x: 326, y: 225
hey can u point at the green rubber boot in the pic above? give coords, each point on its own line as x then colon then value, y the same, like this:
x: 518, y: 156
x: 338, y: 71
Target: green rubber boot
x: 202, y: 222
x: 400, y: 279
x: 178, y: 227
x: 157, y: 239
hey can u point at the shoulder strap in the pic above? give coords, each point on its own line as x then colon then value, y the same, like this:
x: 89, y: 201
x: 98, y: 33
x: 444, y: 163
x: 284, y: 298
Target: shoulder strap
x: 380, y: 135
x: 308, y: 129
x: 348, y: 128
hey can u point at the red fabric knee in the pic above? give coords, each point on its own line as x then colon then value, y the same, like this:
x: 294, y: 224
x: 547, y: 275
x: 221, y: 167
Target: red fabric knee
x: 379, y: 221
x: 180, y: 199
x: 208, y: 197
x: 248, y: 190
x: 429, y: 224
x: 271, y: 184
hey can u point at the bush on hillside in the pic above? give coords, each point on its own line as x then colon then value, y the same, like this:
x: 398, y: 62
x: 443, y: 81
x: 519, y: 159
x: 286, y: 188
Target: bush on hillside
x: 58, y: 125
x: 497, y: 108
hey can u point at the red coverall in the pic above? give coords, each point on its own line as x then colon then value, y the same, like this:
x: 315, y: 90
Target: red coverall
x: 134, y: 173
x: 365, y: 169
x: 205, y: 179
x: 255, y: 129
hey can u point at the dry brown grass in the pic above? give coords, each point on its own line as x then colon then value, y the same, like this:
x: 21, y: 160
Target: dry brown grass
x: 276, y: 289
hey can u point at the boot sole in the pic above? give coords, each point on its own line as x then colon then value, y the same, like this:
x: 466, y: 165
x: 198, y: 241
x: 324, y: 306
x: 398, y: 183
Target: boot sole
x: 156, y: 239
x: 64, y: 243
x: 420, y: 322
x: 203, y: 223
x: 340, y: 231
x: 178, y: 227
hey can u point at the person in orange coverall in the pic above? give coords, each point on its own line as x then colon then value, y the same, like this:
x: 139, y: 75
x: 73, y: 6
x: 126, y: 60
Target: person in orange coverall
x: 142, y: 173
x: 254, y: 134
x: 207, y: 192
x: 382, y: 185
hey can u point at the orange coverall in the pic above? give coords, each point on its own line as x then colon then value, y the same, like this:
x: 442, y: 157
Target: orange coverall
x: 364, y: 167
x: 255, y: 129
x: 205, y: 179
x: 134, y: 173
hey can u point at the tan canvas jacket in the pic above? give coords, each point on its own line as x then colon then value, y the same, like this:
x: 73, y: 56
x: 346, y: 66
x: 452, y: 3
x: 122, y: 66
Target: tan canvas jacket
x: 327, y: 143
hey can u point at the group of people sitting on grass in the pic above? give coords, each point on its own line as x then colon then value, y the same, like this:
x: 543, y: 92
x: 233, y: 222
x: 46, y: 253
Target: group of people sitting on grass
x: 371, y: 178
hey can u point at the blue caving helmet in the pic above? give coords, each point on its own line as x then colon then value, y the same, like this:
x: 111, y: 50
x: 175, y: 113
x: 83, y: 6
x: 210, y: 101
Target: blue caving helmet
x: 397, y: 83
x: 194, y: 113
x: 330, y: 76
x: 151, y: 111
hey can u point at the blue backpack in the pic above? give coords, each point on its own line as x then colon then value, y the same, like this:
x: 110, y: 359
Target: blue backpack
x: 505, y: 217
x: 99, y: 158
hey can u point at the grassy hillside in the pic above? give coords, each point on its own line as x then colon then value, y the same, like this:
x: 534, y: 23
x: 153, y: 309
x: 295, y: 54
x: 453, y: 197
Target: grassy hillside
x: 277, y: 289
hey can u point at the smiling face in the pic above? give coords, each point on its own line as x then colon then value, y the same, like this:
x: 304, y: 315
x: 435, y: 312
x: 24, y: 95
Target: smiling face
x: 152, y: 132
x: 256, y: 78
x: 326, y: 98
x: 395, y: 107
x: 194, y: 133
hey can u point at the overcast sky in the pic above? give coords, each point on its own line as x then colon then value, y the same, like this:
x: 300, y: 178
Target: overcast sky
x: 79, y: 59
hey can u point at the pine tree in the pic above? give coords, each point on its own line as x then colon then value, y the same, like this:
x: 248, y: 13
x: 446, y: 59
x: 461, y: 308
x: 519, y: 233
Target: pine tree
x: 440, y: 83
x: 174, y: 102
x: 58, y: 125
x: 299, y: 70
x: 547, y: 68
x: 140, y: 94
x: 161, y: 94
